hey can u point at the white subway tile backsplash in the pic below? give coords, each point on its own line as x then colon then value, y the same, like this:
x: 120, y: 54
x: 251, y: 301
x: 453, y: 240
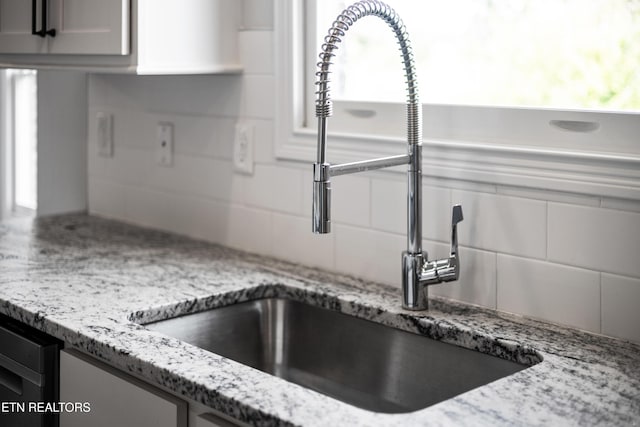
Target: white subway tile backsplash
x: 215, y: 95
x: 389, y: 208
x: 436, y: 213
x: 205, y: 219
x: 199, y: 136
x: 96, y: 89
x: 520, y: 247
x: 545, y: 195
x: 620, y: 312
x: 505, y: 224
x: 595, y: 238
x: 249, y: 230
x: 201, y: 176
x: 155, y: 209
x: 558, y: 293
x: 130, y: 128
x: 389, y: 205
x: 262, y: 140
x: 621, y: 204
x: 275, y: 188
x: 370, y: 254
x: 196, y: 135
x: 477, y: 282
x: 256, y: 51
x: 191, y: 216
x: 258, y: 14
x: 201, y: 95
x: 350, y: 200
x: 131, y: 166
x: 259, y: 96
x: 293, y: 240
x: 112, y: 91
x: 106, y: 198
x: 472, y: 186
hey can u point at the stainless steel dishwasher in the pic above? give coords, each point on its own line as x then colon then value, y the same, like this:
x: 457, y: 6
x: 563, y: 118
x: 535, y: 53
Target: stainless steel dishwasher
x: 29, y: 368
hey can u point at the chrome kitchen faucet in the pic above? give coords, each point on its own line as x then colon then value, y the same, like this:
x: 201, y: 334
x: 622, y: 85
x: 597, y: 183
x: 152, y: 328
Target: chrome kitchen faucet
x: 417, y: 271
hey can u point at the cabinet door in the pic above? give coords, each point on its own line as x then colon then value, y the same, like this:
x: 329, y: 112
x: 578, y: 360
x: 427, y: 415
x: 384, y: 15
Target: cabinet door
x: 210, y: 420
x: 15, y: 28
x: 95, y: 27
x: 113, y: 398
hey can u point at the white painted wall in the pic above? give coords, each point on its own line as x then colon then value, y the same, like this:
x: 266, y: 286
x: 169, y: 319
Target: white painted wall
x: 62, y: 148
x: 564, y: 258
x: 6, y: 154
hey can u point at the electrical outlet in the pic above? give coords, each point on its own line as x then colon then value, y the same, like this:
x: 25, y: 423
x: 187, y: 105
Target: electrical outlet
x: 164, y: 144
x: 243, y: 149
x: 104, y: 134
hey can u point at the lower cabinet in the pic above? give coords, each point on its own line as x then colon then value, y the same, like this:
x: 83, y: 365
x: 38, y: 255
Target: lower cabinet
x: 108, y: 397
x: 209, y: 419
x: 114, y: 398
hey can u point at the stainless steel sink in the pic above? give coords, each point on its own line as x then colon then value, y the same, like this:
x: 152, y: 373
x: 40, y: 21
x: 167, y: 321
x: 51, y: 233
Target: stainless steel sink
x: 366, y: 364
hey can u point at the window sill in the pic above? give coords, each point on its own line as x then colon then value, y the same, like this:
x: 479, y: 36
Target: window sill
x: 593, y: 174
x: 543, y: 158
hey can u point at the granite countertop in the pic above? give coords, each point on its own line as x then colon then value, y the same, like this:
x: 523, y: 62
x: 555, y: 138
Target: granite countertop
x: 90, y: 281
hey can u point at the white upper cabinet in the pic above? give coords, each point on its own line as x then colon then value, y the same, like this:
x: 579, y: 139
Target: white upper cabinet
x: 135, y: 36
x: 16, y: 28
x: 96, y: 27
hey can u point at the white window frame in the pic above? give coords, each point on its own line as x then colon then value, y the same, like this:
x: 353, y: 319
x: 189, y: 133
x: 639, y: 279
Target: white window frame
x: 495, y: 145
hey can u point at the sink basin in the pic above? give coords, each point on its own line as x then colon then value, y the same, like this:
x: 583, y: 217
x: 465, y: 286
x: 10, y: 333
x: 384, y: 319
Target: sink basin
x: 366, y: 364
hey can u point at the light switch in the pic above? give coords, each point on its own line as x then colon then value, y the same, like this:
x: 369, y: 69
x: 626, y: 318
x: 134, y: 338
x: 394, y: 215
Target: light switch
x: 104, y: 134
x: 243, y: 149
x: 164, y: 144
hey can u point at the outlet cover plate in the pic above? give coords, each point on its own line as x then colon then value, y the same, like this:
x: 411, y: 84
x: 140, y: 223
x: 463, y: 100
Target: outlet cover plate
x: 164, y: 144
x: 243, y: 149
x: 104, y: 134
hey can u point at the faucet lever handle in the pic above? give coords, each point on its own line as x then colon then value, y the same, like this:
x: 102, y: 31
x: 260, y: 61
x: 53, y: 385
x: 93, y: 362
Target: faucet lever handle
x: 456, y: 217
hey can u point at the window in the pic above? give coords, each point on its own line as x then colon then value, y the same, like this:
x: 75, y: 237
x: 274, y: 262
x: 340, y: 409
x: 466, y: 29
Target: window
x: 528, y: 53
x: 18, y: 142
x: 478, y: 124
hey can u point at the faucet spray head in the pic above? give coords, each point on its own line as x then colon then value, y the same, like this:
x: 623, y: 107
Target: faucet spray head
x: 321, y: 199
